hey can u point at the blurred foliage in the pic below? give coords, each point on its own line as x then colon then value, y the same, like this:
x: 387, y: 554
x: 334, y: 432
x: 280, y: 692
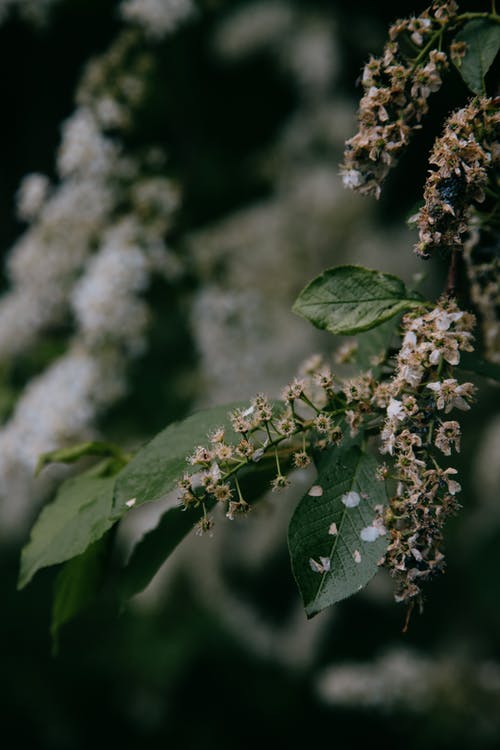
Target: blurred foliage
x: 173, y: 674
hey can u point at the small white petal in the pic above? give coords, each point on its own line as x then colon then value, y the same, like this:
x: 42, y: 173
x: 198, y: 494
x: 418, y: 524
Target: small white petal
x: 315, y: 566
x: 357, y: 556
x: 326, y: 563
x: 215, y: 471
x: 395, y: 409
x: 315, y: 491
x: 351, y: 499
x: 410, y: 339
x: 370, y: 533
x: 435, y: 386
x: 257, y: 455
x: 352, y: 178
x: 443, y: 322
x: 333, y: 529
x: 323, y: 566
x: 130, y: 503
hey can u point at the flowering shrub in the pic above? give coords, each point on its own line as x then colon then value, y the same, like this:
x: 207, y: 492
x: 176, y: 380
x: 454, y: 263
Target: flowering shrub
x: 382, y: 440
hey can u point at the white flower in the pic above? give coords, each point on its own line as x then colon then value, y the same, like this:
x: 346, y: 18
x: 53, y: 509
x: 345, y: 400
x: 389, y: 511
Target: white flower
x: 450, y: 394
x: 396, y: 410
x: 447, y: 436
x: 445, y: 319
x: 410, y: 339
x: 411, y: 374
x: 351, y: 178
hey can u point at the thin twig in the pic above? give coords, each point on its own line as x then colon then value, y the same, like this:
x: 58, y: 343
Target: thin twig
x: 452, y: 280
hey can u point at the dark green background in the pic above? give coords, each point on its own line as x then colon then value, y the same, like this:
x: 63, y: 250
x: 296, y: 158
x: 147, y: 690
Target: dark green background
x: 175, y: 677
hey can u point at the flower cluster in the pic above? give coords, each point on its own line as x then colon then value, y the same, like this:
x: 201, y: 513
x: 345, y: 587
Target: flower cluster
x: 257, y: 433
x: 408, y: 402
x: 92, y: 244
x: 397, y: 87
x: 420, y: 396
x: 464, y: 156
x: 113, y: 84
x: 309, y: 417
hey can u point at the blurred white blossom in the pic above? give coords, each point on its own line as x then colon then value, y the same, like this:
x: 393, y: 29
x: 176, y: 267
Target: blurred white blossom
x: 31, y: 196
x: 93, y: 242
x: 105, y: 299
x: 253, y: 27
x: 157, y: 17
x: 402, y: 679
x: 35, y: 11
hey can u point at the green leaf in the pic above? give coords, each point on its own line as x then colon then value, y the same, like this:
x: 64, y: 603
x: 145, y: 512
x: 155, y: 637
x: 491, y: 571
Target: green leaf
x: 79, y: 515
x: 76, y: 586
x: 157, y: 467
x: 350, y: 299
x: 372, y: 346
x: 75, y: 452
x: 352, y: 562
x: 154, y: 548
x: 472, y: 363
x: 482, y: 37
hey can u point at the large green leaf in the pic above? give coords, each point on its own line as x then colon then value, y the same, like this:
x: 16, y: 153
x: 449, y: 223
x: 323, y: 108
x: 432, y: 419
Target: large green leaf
x: 75, y: 452
x: 80, y: 514
x: 77, y: 586
x: 154, y: 548
x: 372, y: 346
x: 157, y: 467
x: 351, y: 299
x: 482, y: 37
x: 349, y: 561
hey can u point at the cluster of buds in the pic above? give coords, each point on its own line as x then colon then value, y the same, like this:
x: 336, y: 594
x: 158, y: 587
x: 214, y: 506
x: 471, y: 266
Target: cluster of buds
x: 314, y: 410
x: 397, y: 87
x: 464, y: 156
x: 416, y: 430
x: 280, y: 432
